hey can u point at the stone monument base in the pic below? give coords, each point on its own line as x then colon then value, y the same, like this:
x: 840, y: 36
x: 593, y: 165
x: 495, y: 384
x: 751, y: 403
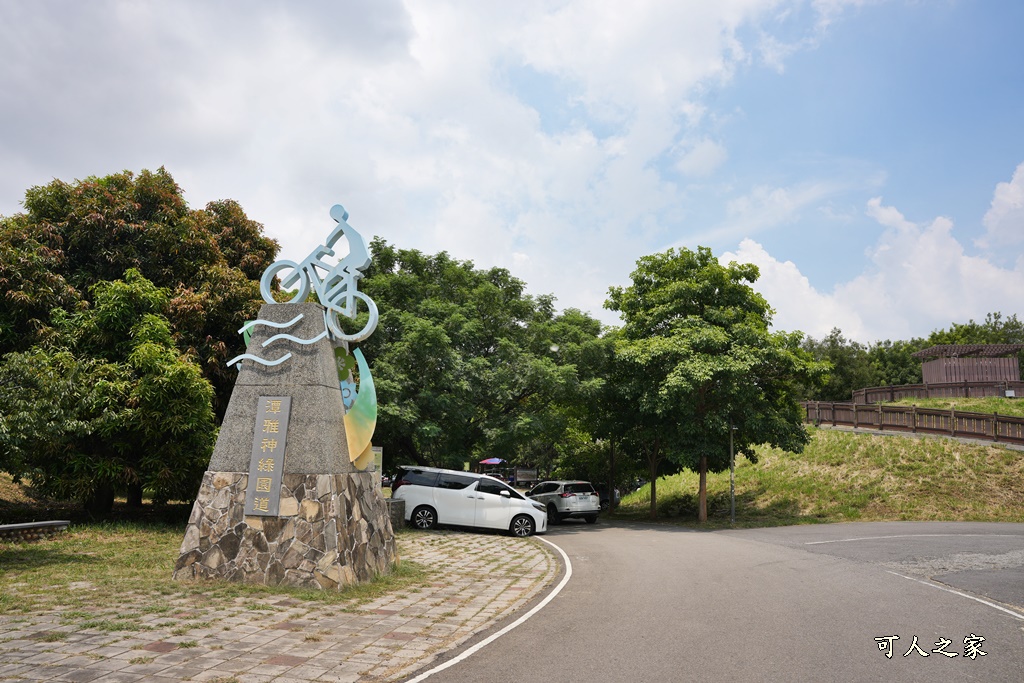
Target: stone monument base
x: 332, y: 530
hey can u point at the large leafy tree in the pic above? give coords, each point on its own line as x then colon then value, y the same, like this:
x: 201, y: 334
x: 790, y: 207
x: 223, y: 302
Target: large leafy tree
x: 893, y: 362
x: 107, y: 403
x: 74, y: 235
x: 699, y: 359
x: 466, y: 364
x: 849, y: 362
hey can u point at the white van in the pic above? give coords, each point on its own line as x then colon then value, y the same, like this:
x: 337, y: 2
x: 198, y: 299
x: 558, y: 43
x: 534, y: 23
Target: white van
x: 436, y: 496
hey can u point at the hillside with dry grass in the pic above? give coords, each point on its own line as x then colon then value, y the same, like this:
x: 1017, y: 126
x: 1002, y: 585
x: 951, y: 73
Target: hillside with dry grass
x: 844, y: 477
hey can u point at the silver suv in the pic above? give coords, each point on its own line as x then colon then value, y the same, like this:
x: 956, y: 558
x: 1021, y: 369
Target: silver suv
x: 565, y: 499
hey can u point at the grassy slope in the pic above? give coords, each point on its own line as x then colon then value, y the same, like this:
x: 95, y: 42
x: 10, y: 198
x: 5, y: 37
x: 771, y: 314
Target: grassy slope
x: 843, y: 477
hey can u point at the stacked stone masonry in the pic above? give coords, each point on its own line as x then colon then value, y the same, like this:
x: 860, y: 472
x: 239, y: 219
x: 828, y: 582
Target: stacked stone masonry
x: 333, y: 530
x: 31, y: 531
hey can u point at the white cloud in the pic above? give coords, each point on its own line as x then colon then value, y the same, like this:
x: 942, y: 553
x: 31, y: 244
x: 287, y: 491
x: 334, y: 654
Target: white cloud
x: 1004, y: 221
x: 919, y: 279
x: 764, y: 207
x: 703, y: 159
x: 798, y: 305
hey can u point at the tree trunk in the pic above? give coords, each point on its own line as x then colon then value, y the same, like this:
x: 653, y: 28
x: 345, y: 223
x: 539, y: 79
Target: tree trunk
x: 135, y: 496
x: 652, y: 460
x: 611, y: 477
x: 654, y: 490
x: 702, y: 511
x: 100, y: 501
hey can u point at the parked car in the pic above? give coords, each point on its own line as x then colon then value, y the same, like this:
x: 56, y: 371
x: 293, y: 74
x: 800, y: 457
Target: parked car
x: 565, y: 499
x: 604, y: 491
x: 437, y: 496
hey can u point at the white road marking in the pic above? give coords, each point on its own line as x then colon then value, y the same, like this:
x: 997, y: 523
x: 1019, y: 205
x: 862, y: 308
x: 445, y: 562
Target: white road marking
x: 490, y: 639
x: 964, y: 595
x: 874, y: 538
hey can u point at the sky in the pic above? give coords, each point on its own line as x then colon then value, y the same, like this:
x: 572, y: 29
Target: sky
x: 867, y: 156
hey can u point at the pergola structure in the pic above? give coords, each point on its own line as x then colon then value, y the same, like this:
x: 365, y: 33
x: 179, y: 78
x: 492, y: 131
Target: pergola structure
x: 970, y: 363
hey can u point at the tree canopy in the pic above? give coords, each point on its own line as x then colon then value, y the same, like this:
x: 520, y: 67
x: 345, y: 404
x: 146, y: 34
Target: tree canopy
x: 107, y: 403
x: 119, y: 306
x: 467, y: 365
x: 698, y: 359
x: 74, y: 235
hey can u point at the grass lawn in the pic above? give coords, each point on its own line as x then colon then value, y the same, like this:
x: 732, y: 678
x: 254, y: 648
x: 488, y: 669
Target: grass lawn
x: 844, y: 477
x: 117, y: 577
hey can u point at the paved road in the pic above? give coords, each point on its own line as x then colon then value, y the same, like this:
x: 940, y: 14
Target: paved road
x: 654, y: 603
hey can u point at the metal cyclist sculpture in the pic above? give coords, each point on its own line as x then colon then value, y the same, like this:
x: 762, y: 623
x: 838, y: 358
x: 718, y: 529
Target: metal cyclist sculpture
x: 338, y: 290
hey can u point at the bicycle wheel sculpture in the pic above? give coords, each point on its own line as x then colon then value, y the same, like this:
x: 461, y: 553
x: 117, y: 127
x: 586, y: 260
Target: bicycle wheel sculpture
x: 333, y: 320
x: 338, y: 289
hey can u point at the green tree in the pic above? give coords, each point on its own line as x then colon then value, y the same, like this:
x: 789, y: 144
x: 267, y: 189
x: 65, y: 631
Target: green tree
x: 995, y: 330
x: 31, y: 280
x: 74, y: 235
x: 893, y: 362
x: 108, y: 404
x: 466, y: 364
x: 849, y: 366
x: 699, y: 359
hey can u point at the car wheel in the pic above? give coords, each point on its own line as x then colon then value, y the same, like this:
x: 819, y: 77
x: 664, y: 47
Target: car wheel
x: 522, y: 526
x: 604, y: 504
x: 554, y: 517
x: 591, y: 519
x: 424, y: 517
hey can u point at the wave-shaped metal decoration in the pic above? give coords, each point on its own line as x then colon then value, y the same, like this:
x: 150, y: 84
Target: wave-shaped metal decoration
x: 257, y: 359
x: 269, y: 323
x: 246, y: 329
x: 288, y: 337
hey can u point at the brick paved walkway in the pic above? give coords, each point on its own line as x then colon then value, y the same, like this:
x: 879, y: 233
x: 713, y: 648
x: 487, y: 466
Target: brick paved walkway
x: 478, y: 578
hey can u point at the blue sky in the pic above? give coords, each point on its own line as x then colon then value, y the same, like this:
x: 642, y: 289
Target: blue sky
x: 866, y: 155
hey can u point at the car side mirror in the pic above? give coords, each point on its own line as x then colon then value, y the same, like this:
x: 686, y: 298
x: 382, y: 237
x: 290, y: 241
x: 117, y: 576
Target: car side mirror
x: 505, y: 494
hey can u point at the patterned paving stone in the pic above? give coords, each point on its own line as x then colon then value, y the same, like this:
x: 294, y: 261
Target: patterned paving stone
x: 477, y: 579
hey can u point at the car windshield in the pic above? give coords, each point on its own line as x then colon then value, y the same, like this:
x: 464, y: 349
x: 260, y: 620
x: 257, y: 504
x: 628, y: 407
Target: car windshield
x: 579, y: 487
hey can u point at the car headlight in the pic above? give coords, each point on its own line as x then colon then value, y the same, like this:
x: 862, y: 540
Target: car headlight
x: 540, y: 507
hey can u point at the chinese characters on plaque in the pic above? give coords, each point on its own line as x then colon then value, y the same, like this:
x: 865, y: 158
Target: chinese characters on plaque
x: 263, y: 494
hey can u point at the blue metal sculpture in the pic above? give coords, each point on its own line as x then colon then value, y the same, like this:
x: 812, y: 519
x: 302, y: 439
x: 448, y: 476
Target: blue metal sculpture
x: 338, y: 290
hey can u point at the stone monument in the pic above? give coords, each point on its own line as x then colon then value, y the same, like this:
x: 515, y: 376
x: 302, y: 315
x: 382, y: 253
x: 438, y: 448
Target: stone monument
x: 289, y: 497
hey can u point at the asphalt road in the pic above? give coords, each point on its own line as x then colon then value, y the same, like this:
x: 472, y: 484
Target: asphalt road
x: 809, y: 603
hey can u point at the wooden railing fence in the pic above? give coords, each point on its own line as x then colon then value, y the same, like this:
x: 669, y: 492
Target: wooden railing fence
x: 988, y: 426
x: 937, y: 390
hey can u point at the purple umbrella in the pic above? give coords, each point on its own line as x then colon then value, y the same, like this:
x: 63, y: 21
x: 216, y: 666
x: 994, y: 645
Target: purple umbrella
x: 491, y: 461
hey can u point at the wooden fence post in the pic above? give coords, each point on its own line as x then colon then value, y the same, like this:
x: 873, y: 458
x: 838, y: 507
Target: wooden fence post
x: 952, y: 421
x: 881, y: 425
x: 913, y: 417
x: 995, y: 427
